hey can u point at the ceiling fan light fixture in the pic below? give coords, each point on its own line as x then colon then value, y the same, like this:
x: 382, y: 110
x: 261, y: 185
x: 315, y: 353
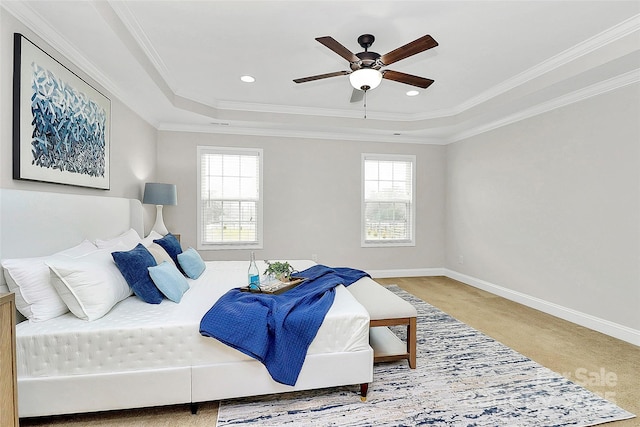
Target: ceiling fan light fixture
x: 365, y: 79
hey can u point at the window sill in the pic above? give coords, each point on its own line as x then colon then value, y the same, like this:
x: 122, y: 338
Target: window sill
x: 229, y: 246
x: 386, y: 244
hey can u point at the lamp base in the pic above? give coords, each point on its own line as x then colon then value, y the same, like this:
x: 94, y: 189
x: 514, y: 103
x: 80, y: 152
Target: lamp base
x: 159, y: 226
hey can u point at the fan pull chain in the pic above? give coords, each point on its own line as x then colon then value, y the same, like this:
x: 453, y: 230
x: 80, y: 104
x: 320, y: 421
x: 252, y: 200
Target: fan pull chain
x: 365, y: 104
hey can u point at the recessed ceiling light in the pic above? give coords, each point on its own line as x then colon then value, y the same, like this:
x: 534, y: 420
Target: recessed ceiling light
x: 413, y: 93
x: 248, y: 79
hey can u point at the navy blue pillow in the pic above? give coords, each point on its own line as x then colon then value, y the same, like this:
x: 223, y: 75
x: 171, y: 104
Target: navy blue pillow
x: 170, y: 244
x: 134, y: 265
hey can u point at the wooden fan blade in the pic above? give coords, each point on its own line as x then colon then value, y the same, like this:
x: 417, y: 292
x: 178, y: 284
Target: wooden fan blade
x: 321, y: 76
x: 332, y: 44
x: 357, y: 95
x: 409, y: 79
x: 409, y: 49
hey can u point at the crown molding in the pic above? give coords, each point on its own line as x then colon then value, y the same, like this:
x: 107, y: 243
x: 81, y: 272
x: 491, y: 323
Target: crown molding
x: 25, y: 14
x: 599, y: 88
x: 325, y: 112
x: 138, y: 34
x: 590, y: 45
x: 31, y: 19
x: 226, y: 128
x: 42, y: 29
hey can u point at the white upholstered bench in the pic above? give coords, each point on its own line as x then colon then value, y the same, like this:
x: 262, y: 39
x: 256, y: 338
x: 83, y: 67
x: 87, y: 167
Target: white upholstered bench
x: 387, y: 309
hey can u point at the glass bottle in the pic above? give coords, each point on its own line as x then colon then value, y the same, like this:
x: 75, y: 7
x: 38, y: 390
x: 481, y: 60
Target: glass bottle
x: 254, y: 274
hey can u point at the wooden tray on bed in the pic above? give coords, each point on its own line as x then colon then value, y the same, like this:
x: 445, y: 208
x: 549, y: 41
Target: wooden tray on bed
x: 276, y: 287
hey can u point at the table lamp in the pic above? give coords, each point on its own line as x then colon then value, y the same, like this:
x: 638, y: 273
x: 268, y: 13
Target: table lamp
x: 160, y: 194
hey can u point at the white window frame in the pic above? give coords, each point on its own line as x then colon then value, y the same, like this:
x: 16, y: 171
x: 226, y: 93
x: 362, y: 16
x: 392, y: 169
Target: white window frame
x: 202, y: 150
x: 363, y: 232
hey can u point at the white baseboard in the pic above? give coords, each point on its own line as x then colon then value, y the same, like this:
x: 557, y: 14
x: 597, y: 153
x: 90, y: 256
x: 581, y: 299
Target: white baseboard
x: 588, y: 321
x: 606, y: 327
x: 413, y: 272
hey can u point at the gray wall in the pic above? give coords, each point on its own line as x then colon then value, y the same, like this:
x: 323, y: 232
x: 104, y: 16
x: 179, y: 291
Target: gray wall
x: 311, y: 199
x: 550, y: 206
x: 133, y: 141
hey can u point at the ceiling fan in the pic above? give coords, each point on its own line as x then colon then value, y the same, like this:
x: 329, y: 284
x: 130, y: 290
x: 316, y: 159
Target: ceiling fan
x: 366, y: 73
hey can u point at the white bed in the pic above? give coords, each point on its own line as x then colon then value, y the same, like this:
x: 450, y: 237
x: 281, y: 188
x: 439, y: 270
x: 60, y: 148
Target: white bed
x: 141, y: 354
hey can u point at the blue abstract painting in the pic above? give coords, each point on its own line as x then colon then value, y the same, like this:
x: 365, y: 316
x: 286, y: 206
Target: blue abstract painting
x: 61, y: 131
x: 68, y: 127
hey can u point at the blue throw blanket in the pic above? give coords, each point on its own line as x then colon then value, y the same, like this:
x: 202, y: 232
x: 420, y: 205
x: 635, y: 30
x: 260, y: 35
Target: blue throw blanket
x: 277, y: 329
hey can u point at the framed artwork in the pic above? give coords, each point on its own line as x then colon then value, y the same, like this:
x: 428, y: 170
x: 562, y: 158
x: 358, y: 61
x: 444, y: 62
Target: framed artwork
x: 61, y: 124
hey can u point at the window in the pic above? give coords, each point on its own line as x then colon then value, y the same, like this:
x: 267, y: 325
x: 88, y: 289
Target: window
x: 388, y: 195
x: 230, y: 202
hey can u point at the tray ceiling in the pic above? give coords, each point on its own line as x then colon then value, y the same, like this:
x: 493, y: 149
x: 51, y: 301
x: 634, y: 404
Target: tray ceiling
x: 178, y: 63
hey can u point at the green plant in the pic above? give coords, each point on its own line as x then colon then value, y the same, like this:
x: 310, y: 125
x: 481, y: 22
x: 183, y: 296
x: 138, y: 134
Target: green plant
x: 281, y: 270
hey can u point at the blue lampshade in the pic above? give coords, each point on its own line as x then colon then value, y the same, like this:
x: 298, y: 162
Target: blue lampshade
x: 160, y: 194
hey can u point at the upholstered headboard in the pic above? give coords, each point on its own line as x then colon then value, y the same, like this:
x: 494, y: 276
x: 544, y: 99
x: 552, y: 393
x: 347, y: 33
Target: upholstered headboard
x: 34, y: 223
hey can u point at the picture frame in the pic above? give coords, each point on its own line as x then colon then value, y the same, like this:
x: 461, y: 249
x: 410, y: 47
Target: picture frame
x: 61, y: 124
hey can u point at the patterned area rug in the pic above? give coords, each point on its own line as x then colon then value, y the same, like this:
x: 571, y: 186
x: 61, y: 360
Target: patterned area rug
x: 463, y: 378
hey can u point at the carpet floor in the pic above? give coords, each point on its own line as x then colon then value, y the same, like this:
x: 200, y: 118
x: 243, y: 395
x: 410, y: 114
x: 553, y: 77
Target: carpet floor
x: 463, y: 378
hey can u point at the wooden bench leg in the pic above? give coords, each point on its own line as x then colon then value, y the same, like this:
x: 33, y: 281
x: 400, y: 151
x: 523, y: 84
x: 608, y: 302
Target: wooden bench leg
x: 364, y: 388
x: 411, y: 342
x: 411, y: 345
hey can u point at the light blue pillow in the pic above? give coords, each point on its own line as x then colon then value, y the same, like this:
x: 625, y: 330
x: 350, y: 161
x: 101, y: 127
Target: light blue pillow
x: 191, y: 263
x: 169, y: 280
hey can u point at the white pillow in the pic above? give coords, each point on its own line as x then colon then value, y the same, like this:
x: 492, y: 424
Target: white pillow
x: 129, y: 239
x: 28, y: 278
x: 85, y: 247
x: 90, y: 285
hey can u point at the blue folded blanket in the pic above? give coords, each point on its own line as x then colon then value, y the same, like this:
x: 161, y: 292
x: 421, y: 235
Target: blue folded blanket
x: 277, y: 329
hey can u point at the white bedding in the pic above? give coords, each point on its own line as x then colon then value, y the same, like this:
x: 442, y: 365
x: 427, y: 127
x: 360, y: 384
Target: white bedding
x: 141, y: 355
x: 136, y: 336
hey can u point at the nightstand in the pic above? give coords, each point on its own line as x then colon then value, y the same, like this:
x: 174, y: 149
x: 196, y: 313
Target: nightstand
x: 8, y: 372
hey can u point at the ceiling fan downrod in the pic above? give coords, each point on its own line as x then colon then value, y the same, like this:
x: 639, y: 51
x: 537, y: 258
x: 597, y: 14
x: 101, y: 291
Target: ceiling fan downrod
x: 366, y: 40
